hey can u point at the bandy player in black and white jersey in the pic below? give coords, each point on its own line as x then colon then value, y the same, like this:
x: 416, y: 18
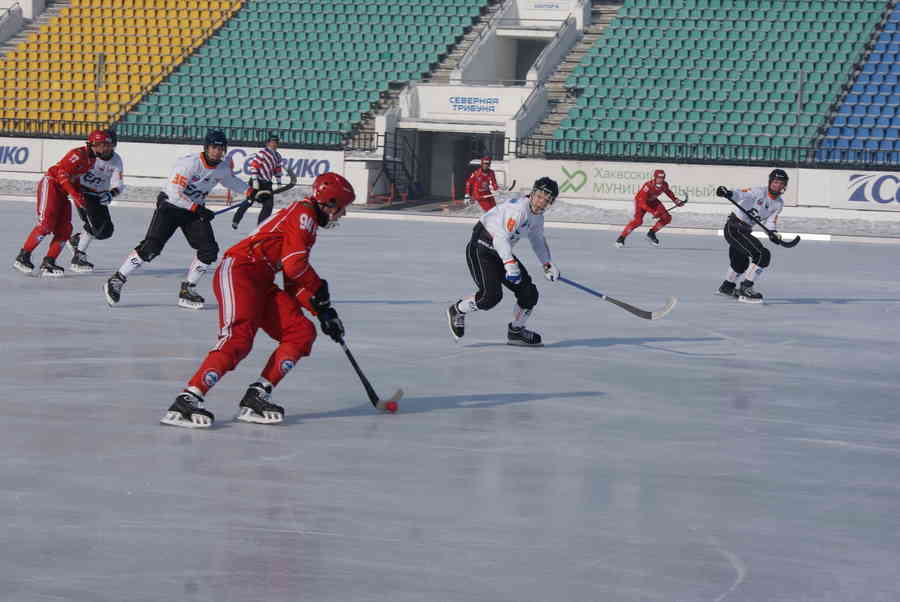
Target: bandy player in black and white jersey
x: 492, y: 264
x: 100, y: 185
x: 765, y: 203
x: 182, y: 204
x: 265, y: 166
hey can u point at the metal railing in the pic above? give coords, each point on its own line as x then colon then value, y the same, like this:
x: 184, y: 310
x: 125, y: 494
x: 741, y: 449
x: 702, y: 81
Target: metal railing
x: 696, y: 153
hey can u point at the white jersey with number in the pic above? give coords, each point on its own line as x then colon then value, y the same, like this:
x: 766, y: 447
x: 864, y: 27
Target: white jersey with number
x: 192, y: 178
x: 105, y: 175
x: 509, y: 221
x: 757, y: 199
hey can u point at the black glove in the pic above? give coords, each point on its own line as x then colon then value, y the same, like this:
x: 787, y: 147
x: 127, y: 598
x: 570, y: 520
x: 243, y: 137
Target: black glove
x: 205, y: 213
x: 102, y: 198
x: 322, y: 299
x: 775, y: 237
x: 331, y: 324
x: 724, y: 192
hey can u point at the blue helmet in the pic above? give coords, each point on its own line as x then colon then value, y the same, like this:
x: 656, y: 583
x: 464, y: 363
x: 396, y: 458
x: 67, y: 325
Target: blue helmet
x: 215, y: 138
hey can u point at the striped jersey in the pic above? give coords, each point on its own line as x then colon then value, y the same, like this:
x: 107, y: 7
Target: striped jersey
x: 757, y: 199
x: 265, y: 165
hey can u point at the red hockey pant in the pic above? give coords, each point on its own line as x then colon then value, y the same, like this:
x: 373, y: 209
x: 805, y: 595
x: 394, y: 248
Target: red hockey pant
x: 249, y: 300
x: 642, y: 207
x: 54, y: 216
x: 486, y: 201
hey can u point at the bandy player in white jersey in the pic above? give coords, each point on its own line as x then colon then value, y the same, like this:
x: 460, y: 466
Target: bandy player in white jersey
x: 492, y: 264
x: 747, y: 255
x: 99, y: 185
x: 182, y: 204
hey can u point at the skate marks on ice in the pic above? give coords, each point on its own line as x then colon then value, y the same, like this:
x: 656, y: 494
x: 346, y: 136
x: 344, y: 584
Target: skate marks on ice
x: 644, y: 342
x: 826, y: 301
x: 419, y: 405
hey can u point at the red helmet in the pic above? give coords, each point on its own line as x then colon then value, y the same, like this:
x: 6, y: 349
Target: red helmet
x: 331, y: 187
x: 659, y: 174
x: 485, y: 160
x: 100, y: 136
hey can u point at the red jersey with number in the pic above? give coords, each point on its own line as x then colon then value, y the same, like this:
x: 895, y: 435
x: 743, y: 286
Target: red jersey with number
x: 650, y: 192
x: 283, y: 243
x: 481, y: 183
x: 70, y: 168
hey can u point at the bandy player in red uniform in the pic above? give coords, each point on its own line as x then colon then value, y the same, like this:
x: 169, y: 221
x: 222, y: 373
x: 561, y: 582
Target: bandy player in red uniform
x: 481, y: 185
x: 249, y: 299
x: 54, y: 213
x: 647, y: 201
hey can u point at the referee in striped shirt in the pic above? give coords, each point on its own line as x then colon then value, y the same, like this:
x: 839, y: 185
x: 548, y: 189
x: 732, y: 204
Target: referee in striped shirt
x: 265, y: 165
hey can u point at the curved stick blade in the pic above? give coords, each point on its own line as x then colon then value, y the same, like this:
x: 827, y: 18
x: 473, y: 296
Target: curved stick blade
x: 385, y: 405
x: 656, y: 315
x: 790, y: 243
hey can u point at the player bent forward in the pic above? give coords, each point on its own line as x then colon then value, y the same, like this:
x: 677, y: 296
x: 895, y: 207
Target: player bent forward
x: 182, y: 204
x: 493, y: 265
x: 244, y: 285
x: 747, y: 255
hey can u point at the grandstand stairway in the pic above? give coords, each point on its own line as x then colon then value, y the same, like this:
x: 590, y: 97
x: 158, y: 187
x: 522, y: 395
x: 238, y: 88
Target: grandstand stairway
x: 561, y: 98
x: 33, y: 26
x: 365, y: 130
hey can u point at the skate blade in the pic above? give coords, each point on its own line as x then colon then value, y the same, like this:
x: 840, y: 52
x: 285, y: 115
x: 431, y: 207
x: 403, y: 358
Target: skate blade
x: 729, y: 295
x: 109, y: 300
x: 620, y: 245
x: 524, y: 344
x: 23, y: 268
x: 197, y: 421
x: 46, y: 274
x: 450, y: 324
x: 248, y: 415
x: 189, y: 304
x: 750, y: 301
x: 80, y: 269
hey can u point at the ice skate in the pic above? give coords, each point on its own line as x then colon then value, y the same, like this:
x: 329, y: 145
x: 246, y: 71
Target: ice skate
x: 188, y: 297
x: 620, y: 242
x: 523, y: 337
x: 73, y: 242
x: 651, y: 236
x: 113, y: 288
x: 49, y: 269
x: 187, y: 412
x: 728, y: 289
x: 747, y: 294
x: 457, y: 321
x: 23, y: 262
x: 80, y: 263
x: 257, y: 408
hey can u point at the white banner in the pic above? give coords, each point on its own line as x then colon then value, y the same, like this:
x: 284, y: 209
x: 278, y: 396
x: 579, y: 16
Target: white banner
x: 144, y: 160
x: 867, y: 190
x: 20, y: 154
x: 603, y: 180
x: 468, y: 103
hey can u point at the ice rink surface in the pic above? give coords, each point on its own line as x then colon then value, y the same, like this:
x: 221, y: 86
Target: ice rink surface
x: 727, y: 452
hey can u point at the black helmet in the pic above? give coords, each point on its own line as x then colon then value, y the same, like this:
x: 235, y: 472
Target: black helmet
x: 547, y: 185
x: 215, y: 138
x: 273, y: 137
x: 112, y: 136
x: 779, y: 174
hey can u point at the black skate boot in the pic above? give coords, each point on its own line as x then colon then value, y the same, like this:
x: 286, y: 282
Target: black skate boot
x: 457, y: 321
x: 50, y: 269
x: 256, y: 406
x: 729, y: 289
x: 523, y: 337
x: 651, y: 236
x: 113, y: 288
x: 80, y: 263
x: 620, y: 242
x: 187, y: 412
x: 23, y: 262
x: 188, y: 297
x: 748, y: 295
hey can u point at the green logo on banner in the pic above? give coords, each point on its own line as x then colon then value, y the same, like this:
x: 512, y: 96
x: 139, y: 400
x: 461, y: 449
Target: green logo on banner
x: 571, y: 179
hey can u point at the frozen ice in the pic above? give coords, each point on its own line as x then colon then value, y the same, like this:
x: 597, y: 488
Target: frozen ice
x: 725, y: 452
